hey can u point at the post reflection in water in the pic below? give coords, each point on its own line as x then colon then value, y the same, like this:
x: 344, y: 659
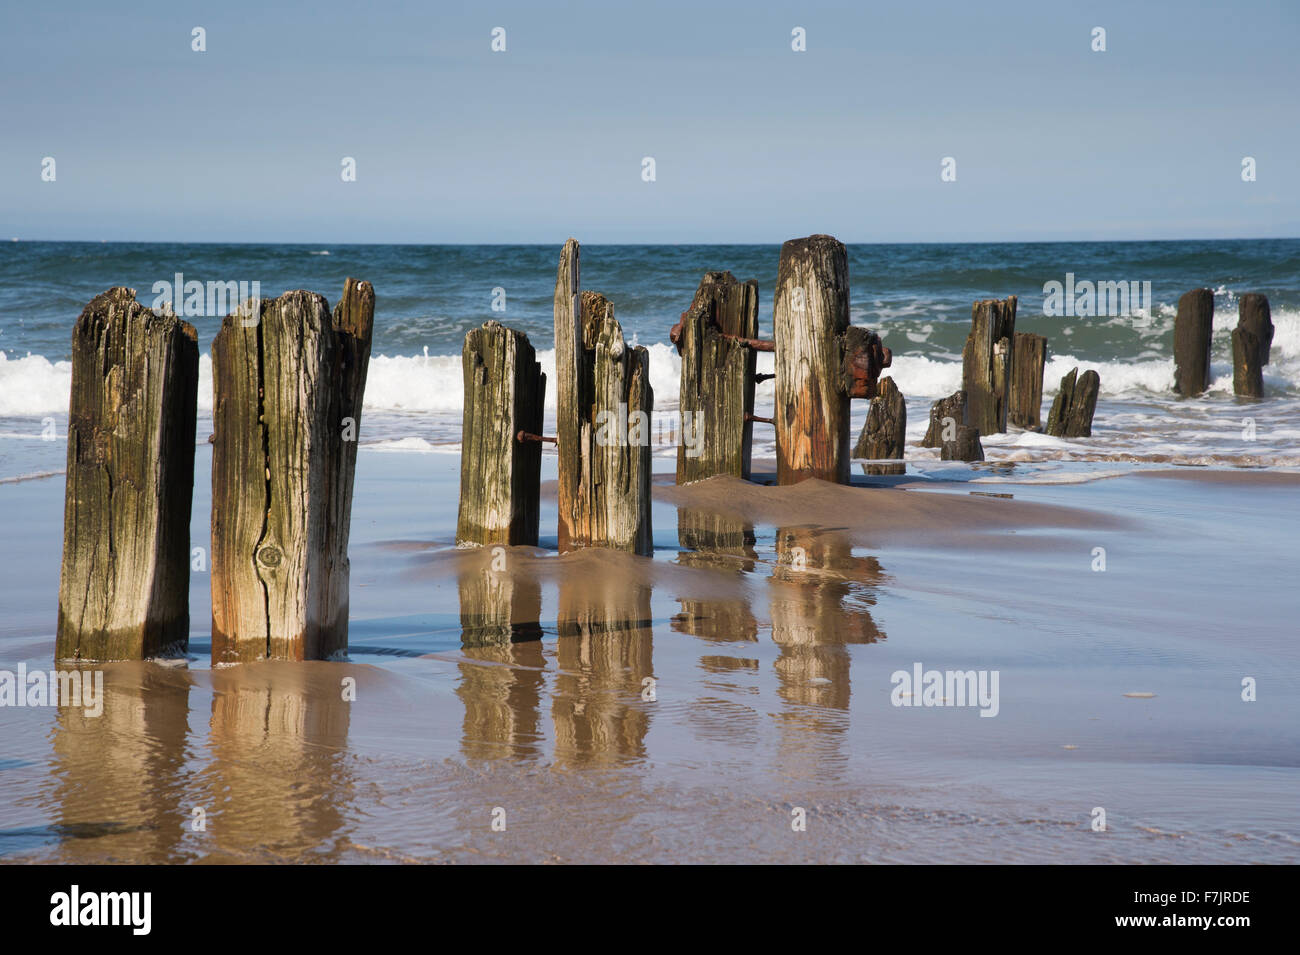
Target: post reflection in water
x: 503, y: 673
x: 604, y: 654
x: 119, y: 778
x: 279, y: 782
x: 710, y: 539
x: 727, y: 708
x: 820, y: 599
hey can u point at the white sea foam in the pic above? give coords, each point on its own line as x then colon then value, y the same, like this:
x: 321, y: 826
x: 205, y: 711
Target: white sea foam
x: 33, y: 385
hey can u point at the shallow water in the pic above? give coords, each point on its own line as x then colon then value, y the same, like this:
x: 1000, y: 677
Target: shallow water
x: 524, y: 690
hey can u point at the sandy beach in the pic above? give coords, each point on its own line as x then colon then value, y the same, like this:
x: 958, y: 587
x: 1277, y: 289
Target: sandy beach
x: 685, y: 707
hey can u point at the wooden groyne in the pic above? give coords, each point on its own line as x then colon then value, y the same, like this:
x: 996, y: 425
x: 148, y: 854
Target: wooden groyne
x: 1074, y: 405
x: 717, y: 339
x: 1029, y: 357
x: 810, y: 316
x: 1193, y: 327
x: 604, y: 402
x: 885, y: 430
x: 1251, y: 341
x: 124, y: 586
x: 289, y: 377
x: 501, y: 441
x: 987, y: 360
x: 288, y: 380
x: 288, y: 384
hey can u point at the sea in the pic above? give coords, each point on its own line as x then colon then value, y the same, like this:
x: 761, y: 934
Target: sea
x: 917, y: 296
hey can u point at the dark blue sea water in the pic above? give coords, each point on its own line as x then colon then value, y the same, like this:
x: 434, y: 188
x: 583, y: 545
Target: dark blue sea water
x: 429, y: 296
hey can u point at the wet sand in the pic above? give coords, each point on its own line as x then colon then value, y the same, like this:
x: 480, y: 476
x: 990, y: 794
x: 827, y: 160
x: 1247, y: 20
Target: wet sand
x: 513, y: 685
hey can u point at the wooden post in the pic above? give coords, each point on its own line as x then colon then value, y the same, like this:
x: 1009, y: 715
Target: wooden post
x: 124, y: 587
x: 987, y: 360
x: 810, y: 316
x: 1192, y: 329
x: 964, y: 446
x: 288, y: 380
x: 1028, y: 360
x: 717, y: 384
x: 1074, y: 405
x: 1251, y: 341
x: 885, y: 430
x: 500, y: 473
x: 946, y: 415
x: 572, y: 399
x: 604, y: 401
x: 621, y: 466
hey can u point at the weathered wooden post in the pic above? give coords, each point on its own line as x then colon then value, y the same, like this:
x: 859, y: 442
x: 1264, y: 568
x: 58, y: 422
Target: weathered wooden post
x: 717, y: 383
x: 288, y: 380
x: 1027, y: 362
x: 885, y: 430
x: 1074, y: 405
x: 1251, y: 341
x: 1193, y: 327
x: 987, y: 360
x: 964, y: 445
x: 810, y: 317
x: 500, y: 466
x: 604, y: 401
x: 946, y: 415
x: 124, y: 588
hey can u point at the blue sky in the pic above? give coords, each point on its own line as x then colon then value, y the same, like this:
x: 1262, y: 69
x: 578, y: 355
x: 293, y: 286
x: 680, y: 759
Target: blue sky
x: 752, y: 141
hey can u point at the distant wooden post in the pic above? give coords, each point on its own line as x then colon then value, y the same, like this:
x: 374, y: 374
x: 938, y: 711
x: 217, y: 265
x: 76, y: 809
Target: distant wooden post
x: 717, y: 383
x: 124, y: 588
x: 884, y: 432
x: 1074, y: 405
x: 1251, y: 341
x: 810, y: 316
x: 987, y: 360
x: 288, y: 380
x: 500, y: 471
x: 1193, y: 327
x: 965, y: 445
x: 604, y: 401
x: 946, y: 415
x: 1028, y: 360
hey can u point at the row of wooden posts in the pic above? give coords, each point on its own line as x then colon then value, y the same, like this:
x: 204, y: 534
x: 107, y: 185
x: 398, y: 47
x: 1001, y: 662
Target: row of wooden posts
x: 821, y: 363
x: 289, y: 378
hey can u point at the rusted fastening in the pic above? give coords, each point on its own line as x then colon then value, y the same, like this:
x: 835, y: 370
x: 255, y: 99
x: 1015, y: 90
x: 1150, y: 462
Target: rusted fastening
x: 523, y: 436
x: 758, y: 344
x: 865, y: 356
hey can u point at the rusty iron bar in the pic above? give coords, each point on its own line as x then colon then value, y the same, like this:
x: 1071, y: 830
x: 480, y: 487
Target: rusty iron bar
x: 523, y: 436
x: 754, y: 417
x: 675, y: 333
x: 758, y: 344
